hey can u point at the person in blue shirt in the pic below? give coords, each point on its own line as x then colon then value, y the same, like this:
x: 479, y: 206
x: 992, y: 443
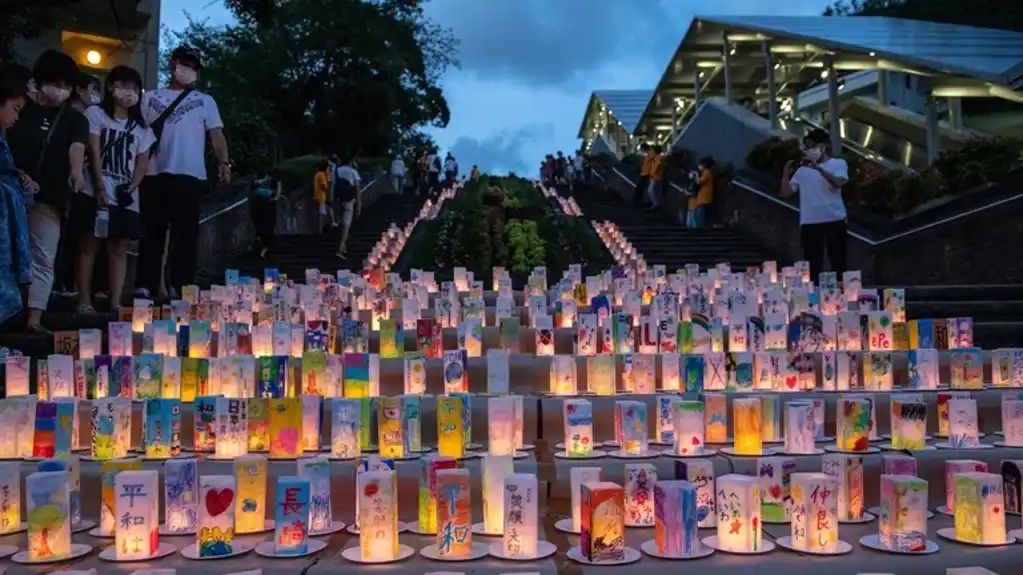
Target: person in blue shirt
x: 15, y: 190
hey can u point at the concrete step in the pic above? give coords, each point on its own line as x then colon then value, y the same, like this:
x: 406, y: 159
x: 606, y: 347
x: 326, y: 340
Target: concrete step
x: 989, y: 310
x: 965, y: 292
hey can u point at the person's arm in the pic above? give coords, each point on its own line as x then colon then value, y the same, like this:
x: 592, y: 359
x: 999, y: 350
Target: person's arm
x: 96, y: 166
x: 358, y: 193
x: 142, y: 160
x: 277, y: 194
x: 836, y: 178
x: 789, y: 188
x: 215, y: 128
x: 76, y: 152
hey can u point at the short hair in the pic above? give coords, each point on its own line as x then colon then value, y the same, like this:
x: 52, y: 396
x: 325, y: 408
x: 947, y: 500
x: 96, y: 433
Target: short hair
x: 87, y: 80
x: 644, y: 146
x: 13, y: 81
x: 52, y: 67
x: 817, y: 136
x: 658, y: 149
x: 706, y: 162
x: 122, y: 74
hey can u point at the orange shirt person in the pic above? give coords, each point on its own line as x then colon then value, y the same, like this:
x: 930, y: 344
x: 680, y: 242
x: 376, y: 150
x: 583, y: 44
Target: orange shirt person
x: 699, y: 204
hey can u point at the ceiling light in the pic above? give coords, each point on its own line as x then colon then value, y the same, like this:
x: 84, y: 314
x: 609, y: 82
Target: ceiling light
x: 93, y: 57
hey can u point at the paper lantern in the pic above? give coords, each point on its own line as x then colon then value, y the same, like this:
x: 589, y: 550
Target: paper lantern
x: 775, y: 495
x: 316, y: 470
x: 600, y: 374
x: 44, y: 437
x: 578, y: 417
x: 66, y: 436
x: 17, y: 375
x: 853, y: 424
x: 848, y: 472
x: 902, y: 525
x: 312, y: 412
x: 748, y: 434
x: 640, y: 479
x: 954, y: 467
x: 923, y: 369
x: 412, y: 423
x: 700, y: 472
x: 204, y: 424
x: 454, y: 518
x: 181, y: 496
x: 688, y: 427
x: 10, y: 498
x: 111, y: 427
x: 389, y: 427
x: 770, y: 409
x: 72, y: 465
x: 450, y: 433
x: 366, y: 464
x: 738, y: 508
x: 676, y: 512
x: 285, y: 422
x: 137, y: 537
x: 108, y: 493
x: 429, y: 466
x: 715, y: 414
x: 944, y: 397
x: 1012, y: 484
x: 250, y: 475
x: 814, y: 512
x: 602, y: 536
x: 378, y: 515
x: 799, y: 427
x: 521, y: 520
x: 495, y: 469
x: 665, y: 423
x: 562, y: 380
x: 894, y: 464
x: 979, y: 508
x: 231, y: 435
x: 456, y: 380
x: 162, y: 436
x: 1012, y: 421
x: 501, y: 425
x: 963, y: 432
x: 909, y: 425
x: 345, y: 426
x: 577, y: 477
x: 291, y: 519
x: 215, y: 535
x: 634, y: 426
x: 49, y: 524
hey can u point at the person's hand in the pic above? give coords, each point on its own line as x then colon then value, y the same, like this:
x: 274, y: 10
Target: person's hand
x: 77, y: 181
x: 101, y: 199
x: 358, y: 209
x: 29, y: 185
x: 790, y: 166
x: 224, y: 172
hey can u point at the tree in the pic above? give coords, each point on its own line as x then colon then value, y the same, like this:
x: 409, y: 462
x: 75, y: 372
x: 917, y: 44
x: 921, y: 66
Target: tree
x: 326, y: 75
x: 26, y: 20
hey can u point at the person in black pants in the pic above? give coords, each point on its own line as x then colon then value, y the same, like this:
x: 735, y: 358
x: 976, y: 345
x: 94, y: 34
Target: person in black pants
x: 644, y: 175
x: 818, y: 179
x: 263, y: 196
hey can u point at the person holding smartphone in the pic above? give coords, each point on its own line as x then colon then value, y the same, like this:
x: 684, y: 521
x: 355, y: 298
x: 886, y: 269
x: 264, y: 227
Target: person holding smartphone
x: 818, y: 179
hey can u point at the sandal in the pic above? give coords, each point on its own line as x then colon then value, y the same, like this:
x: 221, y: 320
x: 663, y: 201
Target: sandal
x: 38, y: 330
x: 86, y: 310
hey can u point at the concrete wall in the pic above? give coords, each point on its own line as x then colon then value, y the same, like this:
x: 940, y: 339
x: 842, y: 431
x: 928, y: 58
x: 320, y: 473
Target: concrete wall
x: 725, y: 132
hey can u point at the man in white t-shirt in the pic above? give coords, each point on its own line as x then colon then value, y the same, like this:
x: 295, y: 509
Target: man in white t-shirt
x: 347, y: 190
x: 398, y: 174
x: 818, y: 179
x: 181, y: 117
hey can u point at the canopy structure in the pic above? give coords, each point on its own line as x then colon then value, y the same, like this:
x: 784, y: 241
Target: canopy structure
x: 617, y: 111
x: 774, y: 57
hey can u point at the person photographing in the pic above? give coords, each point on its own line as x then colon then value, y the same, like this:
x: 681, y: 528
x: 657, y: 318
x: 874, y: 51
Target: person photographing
x: 818, y: 179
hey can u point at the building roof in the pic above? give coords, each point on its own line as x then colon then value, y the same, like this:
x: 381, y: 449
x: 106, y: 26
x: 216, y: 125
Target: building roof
x: 626, y: 106
x: 958, y: 53
x: 984, y: 53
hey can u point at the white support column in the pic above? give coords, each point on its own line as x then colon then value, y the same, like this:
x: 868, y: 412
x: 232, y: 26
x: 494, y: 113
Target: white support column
x: 697, y: 86
x: 955, y: 114
x: 931, y: 122
x: 772, y: 88
x: 833, y: 112
x: 727, y: 50
x: 674, y: 120
x: 882, y: 87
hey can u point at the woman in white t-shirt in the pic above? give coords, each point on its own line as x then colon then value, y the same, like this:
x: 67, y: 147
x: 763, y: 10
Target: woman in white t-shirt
x: 818, y: 179
x: 108, y: 208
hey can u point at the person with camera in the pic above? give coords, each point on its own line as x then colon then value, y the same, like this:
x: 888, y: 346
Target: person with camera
x: 818, y: 179
x: 107, y: 209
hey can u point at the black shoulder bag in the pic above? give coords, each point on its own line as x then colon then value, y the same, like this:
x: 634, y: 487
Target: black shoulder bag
x: 161, y: 120
x: 46, y: 142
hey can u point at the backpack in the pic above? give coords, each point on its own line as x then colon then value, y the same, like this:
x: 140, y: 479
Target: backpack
x: 344, y: 190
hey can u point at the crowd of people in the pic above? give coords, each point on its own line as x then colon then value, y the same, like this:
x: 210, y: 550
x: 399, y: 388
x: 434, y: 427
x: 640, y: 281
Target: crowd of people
x: 561, y: 170
x: 88, y: 167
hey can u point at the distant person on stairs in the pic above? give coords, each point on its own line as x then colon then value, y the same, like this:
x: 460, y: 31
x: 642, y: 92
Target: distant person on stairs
x: 433, y: 170
x: 424, y: 169
x: 321, y: 192
x: 818, y: 179
x: 644, y: 174
x: 475, y: 174
x: 699, y: 203
x: 348, y: 191
x: 656, y: 186
x: 398, y: 174
x: 264, y: 193
x: 578, y: 166
x: 450, y: 170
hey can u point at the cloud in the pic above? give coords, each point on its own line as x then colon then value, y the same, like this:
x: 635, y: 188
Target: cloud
x: 501, y: 152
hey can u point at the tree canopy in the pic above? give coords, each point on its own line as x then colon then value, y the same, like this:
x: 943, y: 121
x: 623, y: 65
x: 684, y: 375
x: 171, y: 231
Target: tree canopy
x: 1002, y: 14
x: 308, y: 76
x: 22, y: 19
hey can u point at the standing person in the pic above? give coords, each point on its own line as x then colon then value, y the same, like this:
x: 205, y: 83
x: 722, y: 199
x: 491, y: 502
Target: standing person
x: 181, y: 117
x: 264, y: 192
x: 348, y: 191
x: 321, y: 192
x: 644, y: 174
x: 656, y: 186
x: 48, y: 145
x: 433, y: 170
x: 424, y: 168
x: 818, y: 180
x: 577, y: 162
x: 475, y: 173
x: 699, y: 203
x: 15, y: 259
x: 450, y: 170
x: 332, y: 163
x: 107, y: 210
x: 86, y: 93
x: 560, y: 167
x: 398, y: 174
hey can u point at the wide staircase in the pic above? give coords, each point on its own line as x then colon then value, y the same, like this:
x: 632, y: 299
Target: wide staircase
x: 296, y: 253
x: 665, y: 242
x: 997, y: 310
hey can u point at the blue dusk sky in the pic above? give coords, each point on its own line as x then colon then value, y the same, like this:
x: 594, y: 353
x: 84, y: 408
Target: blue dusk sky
x: 527, y: 67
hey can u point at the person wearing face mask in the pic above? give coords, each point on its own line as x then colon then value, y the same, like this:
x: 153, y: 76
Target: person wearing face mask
x: 107, y: 210
x: 86, y: 93
x: 818, y: 179
x: 15, y: 262
x: 48, y: 145
x: 181, y: 118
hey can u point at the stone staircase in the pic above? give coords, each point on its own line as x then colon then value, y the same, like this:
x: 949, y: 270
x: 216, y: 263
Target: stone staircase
x: 997, y: 310
x: 665, y: 242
